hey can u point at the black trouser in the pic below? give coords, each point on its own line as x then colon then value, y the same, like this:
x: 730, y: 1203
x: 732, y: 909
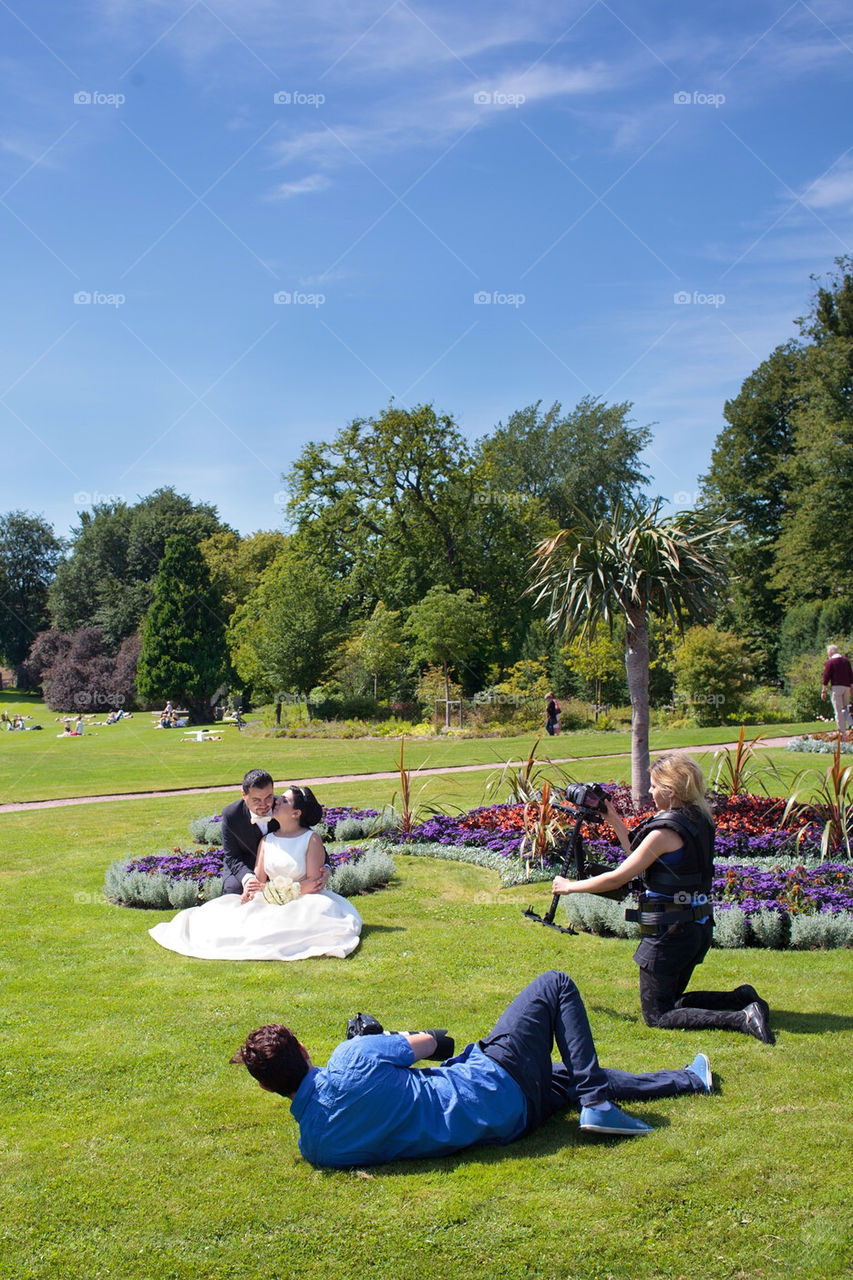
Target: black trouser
x: 666, y: 964
x: 549, y: 1010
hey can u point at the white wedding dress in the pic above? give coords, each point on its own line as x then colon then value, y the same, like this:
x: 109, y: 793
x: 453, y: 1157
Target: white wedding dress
x: 314, y: 924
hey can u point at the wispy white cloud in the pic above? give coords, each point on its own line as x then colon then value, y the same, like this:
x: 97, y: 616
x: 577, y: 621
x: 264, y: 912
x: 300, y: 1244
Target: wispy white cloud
x: 300, y: 187
x: 834, y: 190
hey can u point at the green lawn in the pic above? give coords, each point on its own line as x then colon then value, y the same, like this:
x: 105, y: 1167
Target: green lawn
x: 133, y: 756
x: 131, y: 1150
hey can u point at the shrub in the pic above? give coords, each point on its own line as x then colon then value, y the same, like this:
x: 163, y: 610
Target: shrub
x: 206, y: 830
x: 138, y: 888
x: 803, y: 678
x: 599, y: 915
x: 766, y: 704
x: 770, y: 929
x: 349, y: 829
x: 371, y: 871
x: 184, y: 893
x: 811, y: 932
x: 730, y: 928
x: 712, y: 671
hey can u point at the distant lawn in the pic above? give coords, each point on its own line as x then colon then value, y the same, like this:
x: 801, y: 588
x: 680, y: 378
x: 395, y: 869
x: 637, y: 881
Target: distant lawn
x: 131, y: 1150
x: 133, y: 756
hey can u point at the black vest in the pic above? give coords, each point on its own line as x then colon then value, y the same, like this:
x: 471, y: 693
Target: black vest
x: 695, y: 873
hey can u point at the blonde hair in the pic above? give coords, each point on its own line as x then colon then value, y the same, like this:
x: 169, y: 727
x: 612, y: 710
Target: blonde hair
x: 682, y: 780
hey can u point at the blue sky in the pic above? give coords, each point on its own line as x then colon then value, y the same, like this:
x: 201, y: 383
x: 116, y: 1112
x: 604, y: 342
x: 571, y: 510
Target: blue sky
x: 477, y: 205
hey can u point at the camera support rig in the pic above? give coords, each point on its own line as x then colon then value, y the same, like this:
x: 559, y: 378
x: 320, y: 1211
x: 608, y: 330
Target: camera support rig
x: 574, y: 854
x: 588, y: 805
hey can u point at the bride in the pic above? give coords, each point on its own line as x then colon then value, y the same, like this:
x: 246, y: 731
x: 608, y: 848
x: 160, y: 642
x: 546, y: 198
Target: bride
x: 284, y: 913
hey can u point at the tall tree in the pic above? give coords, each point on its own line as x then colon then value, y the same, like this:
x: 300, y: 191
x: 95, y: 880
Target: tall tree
x: 631, y: 564
x: 446, y: 628
x: 236, y: 563
x: 379, y: 646
x: 387, y: 503
x: 108, y: 577
x: 283, y: 635
x: 782, y: 472
x: 587, y: 459
x: 29, y: 554
x: 183, y: 655
x: 747, y: 484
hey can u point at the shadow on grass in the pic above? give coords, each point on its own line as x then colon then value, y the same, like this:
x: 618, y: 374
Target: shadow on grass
x: 809, y: 1024
x: 618, y: 1015
x: 555, y: 1137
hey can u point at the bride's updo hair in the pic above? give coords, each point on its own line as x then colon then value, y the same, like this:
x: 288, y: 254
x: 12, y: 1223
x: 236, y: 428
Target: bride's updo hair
x: 307, y: 805
x: 274, y: 1056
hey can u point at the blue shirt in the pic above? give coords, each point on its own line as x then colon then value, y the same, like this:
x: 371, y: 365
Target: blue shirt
x: 366, y: 1106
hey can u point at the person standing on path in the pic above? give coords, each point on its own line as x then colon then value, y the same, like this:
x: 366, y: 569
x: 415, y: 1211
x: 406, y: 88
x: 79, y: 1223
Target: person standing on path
x: 838, y: 678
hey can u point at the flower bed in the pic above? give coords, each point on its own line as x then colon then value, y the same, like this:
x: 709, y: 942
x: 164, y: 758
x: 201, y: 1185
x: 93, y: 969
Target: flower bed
x: 768, y: 884
x: 188, y: 877
x: 822, y: 746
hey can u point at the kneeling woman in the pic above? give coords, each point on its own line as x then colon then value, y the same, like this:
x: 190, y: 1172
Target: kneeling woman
x: 290, y: 917
x: 673, y: 853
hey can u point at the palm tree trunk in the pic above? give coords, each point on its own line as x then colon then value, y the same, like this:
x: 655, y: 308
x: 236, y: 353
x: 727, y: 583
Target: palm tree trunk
x: 446, y: 696
x: 637, y: 668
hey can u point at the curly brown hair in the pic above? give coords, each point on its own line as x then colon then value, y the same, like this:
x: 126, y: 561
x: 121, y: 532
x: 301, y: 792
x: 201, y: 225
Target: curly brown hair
x: 275, y: 1058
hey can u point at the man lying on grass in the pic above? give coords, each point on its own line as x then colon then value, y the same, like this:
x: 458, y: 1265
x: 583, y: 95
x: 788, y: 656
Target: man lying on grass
x: 365, y: 1106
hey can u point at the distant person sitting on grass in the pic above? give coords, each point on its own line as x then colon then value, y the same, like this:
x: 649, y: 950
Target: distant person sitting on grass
x: 366, y: 1106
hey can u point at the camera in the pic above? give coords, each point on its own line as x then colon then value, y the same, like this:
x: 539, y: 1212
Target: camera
x: 589, y: 796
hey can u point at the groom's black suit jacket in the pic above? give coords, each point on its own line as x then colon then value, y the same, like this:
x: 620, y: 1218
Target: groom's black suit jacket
x: 240, y: 840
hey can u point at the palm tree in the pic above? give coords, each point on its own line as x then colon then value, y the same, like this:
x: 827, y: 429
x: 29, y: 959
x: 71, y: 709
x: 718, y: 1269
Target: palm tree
x: 631, y: 563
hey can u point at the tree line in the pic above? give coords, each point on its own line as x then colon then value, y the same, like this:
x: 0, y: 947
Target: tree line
x: 409, y: 548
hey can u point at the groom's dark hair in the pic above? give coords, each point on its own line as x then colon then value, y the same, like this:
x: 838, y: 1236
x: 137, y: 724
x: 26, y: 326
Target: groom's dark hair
x: 274, y: 1056
x: 256, y: 778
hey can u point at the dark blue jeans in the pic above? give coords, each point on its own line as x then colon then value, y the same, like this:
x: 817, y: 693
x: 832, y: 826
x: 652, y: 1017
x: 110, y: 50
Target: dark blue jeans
x: 551, y: 1010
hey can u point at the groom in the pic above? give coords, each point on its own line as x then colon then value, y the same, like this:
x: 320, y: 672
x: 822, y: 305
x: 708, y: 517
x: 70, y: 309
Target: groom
x: 244, y: 825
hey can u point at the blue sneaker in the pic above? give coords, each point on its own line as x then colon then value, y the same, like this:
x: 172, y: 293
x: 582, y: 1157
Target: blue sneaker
x: 701, y: 1068
x: 614, y: 1121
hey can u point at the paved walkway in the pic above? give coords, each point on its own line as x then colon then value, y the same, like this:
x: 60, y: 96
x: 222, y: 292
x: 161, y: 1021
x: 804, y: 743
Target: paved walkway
x: 26, y: 805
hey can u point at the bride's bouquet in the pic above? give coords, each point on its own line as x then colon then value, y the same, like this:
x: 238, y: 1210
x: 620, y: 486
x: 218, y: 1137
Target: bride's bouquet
x: 281, y: 890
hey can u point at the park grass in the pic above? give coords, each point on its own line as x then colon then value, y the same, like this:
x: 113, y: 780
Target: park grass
x: 132, y: 756
x: 132, y: 1150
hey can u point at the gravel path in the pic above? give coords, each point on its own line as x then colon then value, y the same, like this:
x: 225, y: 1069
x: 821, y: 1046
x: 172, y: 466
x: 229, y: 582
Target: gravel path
x: 25, y: 806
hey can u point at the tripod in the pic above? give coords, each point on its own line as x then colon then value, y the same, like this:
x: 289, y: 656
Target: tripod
x: 574, y: 854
